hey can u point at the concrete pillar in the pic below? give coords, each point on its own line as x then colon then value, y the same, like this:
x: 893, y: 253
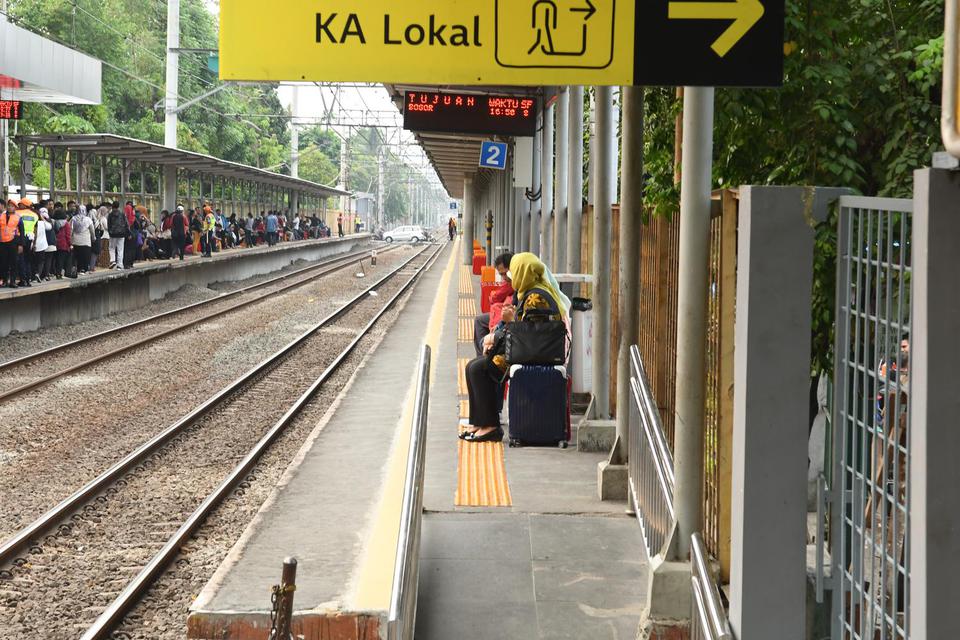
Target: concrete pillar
x: 770, y: 408
x: 574, y: 179
x: 934, y: 405
x: 169, y: 187
x: 546, y: 188
x: 533, y: 225
x: 560, y: 206
x: 631, y: 214
x: 692, y: 312
x: 602, y: 237
x: 468, y: 225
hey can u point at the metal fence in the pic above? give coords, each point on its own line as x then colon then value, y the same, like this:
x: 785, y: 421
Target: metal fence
x: 650, y: 462
x: 708, y: 618
x: 659, y: 264
x: 406, y: 572
x: 871, y: 421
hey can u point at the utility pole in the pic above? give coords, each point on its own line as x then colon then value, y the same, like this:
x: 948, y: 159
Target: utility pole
x: 173, y: 74
x: 170, y: 101
x: 294, y: 136
x: 695, y: 188
x: 381, y: 168
x: 344, y: 171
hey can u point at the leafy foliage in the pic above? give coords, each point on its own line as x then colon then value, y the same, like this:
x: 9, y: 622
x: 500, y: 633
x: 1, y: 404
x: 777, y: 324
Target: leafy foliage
x: 860, y: 108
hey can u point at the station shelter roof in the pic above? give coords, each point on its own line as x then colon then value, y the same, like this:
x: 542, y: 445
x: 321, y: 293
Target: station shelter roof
x: 455, y: 155
x: 37, y: 69
x: 142, y: 151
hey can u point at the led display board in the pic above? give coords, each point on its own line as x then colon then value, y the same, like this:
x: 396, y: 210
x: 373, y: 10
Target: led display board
x: 470, y: 113
x: 11, y: 109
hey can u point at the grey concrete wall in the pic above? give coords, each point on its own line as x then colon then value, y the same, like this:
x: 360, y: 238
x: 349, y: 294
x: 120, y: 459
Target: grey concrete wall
x: 81, y: 300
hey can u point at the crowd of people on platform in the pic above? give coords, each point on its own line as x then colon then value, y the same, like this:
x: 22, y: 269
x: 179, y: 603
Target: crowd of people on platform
x: 49, y: 240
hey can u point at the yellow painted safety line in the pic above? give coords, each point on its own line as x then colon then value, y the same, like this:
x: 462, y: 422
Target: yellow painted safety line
x: 462, y: 375
x: 481, y: 475
x: 374, y: 579
x: 468, y: 307
x: 465, y: 330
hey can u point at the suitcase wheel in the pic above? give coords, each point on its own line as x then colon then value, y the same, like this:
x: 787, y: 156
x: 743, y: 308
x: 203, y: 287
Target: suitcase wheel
x: 514, y: 442
x: 563, y: 444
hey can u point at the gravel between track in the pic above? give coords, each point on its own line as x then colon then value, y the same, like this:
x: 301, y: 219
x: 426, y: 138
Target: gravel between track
x: 62, y: 589
x: 19, y: 374
x: 62, y: 435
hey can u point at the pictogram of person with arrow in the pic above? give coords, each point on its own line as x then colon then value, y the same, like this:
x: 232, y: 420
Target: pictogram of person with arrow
x: 544, y: 22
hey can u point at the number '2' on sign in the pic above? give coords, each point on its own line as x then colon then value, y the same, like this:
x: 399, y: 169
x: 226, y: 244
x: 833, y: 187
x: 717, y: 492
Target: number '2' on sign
x: 493, y: 155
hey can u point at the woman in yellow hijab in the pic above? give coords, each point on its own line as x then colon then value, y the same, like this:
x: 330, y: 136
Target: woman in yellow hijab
x: 536, y: 290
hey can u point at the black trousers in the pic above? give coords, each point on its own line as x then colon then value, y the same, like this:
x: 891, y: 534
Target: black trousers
x: 176, y: 246
x: 481, y: 328
x: 486, y: 392
x: 82, y: 256
x: 8, y: 262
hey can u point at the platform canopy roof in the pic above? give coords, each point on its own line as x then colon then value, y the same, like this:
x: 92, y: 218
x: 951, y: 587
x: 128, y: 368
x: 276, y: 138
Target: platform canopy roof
x: 37, y: 69
x: 142, y: 151
x: 455, y: 155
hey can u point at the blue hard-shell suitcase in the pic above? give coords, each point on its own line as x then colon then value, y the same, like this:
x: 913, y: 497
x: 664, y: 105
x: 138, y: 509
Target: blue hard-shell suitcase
x: 538, y: 406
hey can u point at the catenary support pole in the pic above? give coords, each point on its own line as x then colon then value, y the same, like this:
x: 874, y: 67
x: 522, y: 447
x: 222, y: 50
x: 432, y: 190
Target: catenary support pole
x: 560, y: 201
x: 934, y: 405
x: 468, y: 226
x: 536, y: 199
x: 294, y: 135
x: 602, y: 240
x: 172, y: 75
x: 695, y: 188
x: 574, y: 179
x: 631, y: 214
x: 546, y: 188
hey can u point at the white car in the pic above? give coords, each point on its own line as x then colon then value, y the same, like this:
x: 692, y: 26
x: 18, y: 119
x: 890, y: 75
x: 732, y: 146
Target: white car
x: 409, y: 233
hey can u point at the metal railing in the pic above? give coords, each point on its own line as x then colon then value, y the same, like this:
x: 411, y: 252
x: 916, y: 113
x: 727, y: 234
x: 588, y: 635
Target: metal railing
x: 708, y: 618
x: 870, y: 507
x: 406, y: 573
x: 650, y: 462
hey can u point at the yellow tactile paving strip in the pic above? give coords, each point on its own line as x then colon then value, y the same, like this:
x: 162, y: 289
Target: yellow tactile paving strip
x: 468, y: 307
x: 464, y: 408
x: 466, y: 281
x: 465, y: 330
x: 462, y: 376
x: 481, y: 475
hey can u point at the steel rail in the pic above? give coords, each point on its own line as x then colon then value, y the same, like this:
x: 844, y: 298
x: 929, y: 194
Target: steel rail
x: 46, y: 521
x: 103, y: 625
x: 164, y: 314
x: 326, y: 268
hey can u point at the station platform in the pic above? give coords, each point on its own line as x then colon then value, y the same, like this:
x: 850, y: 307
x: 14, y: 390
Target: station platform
x: 107, y: 291
x: 515, y: 543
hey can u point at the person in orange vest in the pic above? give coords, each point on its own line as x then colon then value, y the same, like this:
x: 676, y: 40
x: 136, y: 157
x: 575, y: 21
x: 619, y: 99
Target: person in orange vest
x: 11, y: 234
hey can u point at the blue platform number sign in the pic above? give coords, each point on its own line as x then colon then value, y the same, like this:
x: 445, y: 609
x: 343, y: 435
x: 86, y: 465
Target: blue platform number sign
x: 453, y: 206
x: 493, y: 155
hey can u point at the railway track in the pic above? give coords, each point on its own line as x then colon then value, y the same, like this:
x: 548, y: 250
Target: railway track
x: 18, y: 376
x: 107, y: 528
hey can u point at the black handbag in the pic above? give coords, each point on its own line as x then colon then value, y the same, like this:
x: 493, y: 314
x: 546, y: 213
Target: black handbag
x: 535, y: 339
x: 536, y: 343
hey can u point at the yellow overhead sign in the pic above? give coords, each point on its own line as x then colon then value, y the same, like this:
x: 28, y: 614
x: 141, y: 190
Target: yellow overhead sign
x: 521, y: 42
x: 503, y: 42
